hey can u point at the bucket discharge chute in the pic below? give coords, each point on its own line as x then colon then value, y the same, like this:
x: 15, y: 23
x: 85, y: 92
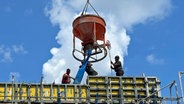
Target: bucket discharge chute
x: 80, y: 73
x: 90, y: 30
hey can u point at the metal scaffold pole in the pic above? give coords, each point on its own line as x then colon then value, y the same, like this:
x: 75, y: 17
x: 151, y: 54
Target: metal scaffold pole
x: 12, y: 96
x: 181, y: 87
x: 41, y: 90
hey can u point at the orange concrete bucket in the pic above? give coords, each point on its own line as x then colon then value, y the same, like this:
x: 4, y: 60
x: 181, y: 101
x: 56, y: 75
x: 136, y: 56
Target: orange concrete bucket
x: 89, y: 28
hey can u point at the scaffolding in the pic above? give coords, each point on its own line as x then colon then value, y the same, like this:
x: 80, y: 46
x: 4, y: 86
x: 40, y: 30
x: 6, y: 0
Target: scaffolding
x: 97, y: 90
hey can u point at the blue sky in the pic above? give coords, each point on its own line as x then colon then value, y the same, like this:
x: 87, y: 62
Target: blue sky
x: 35, y: 38
x: 24, y: 24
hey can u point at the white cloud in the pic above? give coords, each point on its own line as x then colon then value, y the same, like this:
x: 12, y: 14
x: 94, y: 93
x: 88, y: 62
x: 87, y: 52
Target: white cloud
x: 154, y: 60
x: 7, y: 57
x: 132, y: 12
x: 18, y: 49
x: 6, y: 52
x: 118, y: 15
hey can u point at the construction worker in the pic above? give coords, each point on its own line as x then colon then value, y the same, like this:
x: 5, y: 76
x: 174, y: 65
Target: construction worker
x: 117, y: 67
x: 66, y: 77
x: 89, y: 69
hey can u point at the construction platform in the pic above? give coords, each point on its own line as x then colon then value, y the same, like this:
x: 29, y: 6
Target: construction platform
x: 98, y: 89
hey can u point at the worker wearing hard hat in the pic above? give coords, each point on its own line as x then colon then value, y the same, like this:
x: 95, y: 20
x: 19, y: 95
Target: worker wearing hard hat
x: 117, y: 67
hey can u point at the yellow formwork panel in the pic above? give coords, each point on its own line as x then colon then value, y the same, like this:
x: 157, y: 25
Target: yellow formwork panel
x: 114, y: 92
x: 140, y: 86
x: 139, y: 81
x: 70, y: 91
x: 128, y: 80
x: 96, y: 79
x: 142, y: 93
x: 2, y: 91
x: 55, y: 92
x: 24, y: 92
x: 113, y: 86
x: 101, y: 86
x: 33, y: 92
x: 128, y: 93
x: 46, y: 92
x: 9, y: 92
x: 103, y: 92
x: 126, y: 86
x: 83, y: 91
x: 114, y: 79
x: 62, y: 90
x: 97, y: 86
x: 128, y: 100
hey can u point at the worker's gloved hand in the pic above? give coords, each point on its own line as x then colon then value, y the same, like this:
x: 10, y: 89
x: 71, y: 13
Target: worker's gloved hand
x: 111, y: 67
x: 111, y: 62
